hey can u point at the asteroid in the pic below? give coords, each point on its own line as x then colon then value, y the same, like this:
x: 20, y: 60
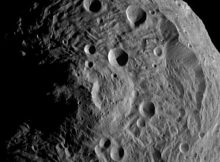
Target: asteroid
x: 109, y: 80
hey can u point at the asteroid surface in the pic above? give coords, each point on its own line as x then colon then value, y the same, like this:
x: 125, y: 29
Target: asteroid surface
x: 111, y: 80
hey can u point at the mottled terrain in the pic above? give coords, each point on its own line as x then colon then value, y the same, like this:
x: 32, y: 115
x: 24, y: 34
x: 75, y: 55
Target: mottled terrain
x: 114, y: 80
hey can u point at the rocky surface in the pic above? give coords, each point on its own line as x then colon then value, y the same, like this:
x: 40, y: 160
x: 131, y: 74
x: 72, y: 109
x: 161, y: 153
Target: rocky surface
x: 98, y: 80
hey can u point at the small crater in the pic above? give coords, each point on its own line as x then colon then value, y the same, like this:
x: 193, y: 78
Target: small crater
x: 153, y: 12
x: 154, y: 65
x: 158, y: 51
x: 117, y: 153
x: 89, y: 64
x: 148, y: 109
x: 184, y: 147
x: 114, y: 76
x: 157, y: 156
x: 90, y: 49
x: 105, y: 143
x: 121, y: 152
x: 122, y: 59
x: 136, y: 15
x: 201, y: 135
x: 118, y: 57
x: 93, y: 6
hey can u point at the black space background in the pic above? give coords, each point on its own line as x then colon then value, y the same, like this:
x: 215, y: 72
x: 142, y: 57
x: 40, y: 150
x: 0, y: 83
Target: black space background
x: 19, y: 84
